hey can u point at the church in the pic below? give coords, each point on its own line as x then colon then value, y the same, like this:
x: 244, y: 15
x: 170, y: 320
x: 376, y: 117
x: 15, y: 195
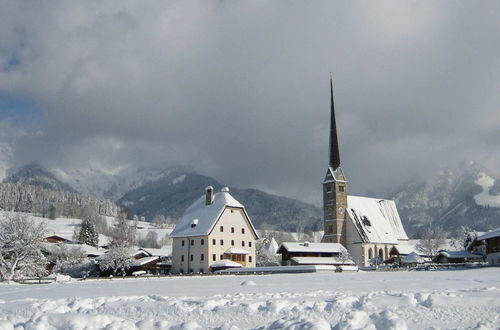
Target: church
x: 367, y: 227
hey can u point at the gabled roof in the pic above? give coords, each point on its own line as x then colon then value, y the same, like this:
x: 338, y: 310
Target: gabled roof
x: 335, y: 175
x: 311, y: 247
x: 320, y: 261
x: 376, y: 220
x: 490, y: 234
x: 206, y: 215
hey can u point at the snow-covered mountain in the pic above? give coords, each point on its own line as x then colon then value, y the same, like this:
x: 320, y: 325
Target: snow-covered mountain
x: 36, y: 175
x: 466, y: 195
x: 109, y: 184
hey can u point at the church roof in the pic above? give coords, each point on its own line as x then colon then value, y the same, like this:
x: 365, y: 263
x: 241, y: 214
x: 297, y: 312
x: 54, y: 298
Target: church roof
x: 376, y: 220
x: 206, y: 216
x: 311, y: 247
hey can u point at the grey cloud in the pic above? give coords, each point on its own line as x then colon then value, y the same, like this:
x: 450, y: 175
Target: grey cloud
x: 239, y: 90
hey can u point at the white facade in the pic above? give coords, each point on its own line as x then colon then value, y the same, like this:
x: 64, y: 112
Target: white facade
x: 209, y: 233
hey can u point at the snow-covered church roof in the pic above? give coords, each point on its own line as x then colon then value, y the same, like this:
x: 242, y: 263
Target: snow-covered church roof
x: 199, y: 219
x: 376, y: 220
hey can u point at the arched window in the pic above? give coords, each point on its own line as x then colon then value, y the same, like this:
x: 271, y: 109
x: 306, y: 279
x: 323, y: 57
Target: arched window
x: 370, y: 253
x: 381, y: 254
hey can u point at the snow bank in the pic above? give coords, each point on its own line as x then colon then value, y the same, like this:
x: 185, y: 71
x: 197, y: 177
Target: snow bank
x: 388, y: 300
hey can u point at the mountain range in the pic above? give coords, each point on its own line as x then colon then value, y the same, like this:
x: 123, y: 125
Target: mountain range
x: 464, y: 196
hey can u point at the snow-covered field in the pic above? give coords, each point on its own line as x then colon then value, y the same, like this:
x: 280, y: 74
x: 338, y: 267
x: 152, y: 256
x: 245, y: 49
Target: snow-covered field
x: 465, y: 299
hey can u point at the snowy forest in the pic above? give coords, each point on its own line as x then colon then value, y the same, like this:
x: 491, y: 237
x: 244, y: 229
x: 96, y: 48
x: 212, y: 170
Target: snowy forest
x: 51, y: 203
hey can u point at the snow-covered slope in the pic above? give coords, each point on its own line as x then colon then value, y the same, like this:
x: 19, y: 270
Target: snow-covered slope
x: 466, y: 299
x: 451, y: 198
x: 110, y: 184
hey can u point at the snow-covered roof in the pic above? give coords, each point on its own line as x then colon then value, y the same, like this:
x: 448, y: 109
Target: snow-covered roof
x: 404, y: 249
x: 376, y: 220
x: 163, y: 251
x: 235, y: 250
x: 272, y: 246
x: 144, y: 261
x: 311, y: 247
x: 320, y: 261
x: 207, y: 215
x: 225, y: 263
x: 459, y: 255
x: 412, y: 258
x: 490, y: 234
x: 87, y: 249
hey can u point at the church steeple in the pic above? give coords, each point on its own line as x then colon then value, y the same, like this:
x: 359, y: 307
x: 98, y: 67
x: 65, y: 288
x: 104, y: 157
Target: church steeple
x: 334, y: 143
x: 334, y: 187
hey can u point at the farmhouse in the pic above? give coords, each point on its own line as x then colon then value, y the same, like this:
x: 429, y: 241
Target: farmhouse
x: 306, y: 253
x: 367, y: 227
x: 214, y: 228
x: 492, y: 241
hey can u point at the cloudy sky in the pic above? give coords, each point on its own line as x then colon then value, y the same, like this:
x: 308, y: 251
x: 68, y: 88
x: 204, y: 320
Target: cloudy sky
x: 239, y: 89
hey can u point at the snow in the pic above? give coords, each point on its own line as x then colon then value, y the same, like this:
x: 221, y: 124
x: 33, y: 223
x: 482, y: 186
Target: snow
x: 461, y: 299
x: 490, y: 234
x: 377, y: 220
x: 484, y: 197
x: 312, y: 247
x: 207, y: 215
x: 318, y: 261
x: 225, y: 263
x: 179, y: 179
x: 144, y: 261
x: 235, y: 250
x: 412, y: 258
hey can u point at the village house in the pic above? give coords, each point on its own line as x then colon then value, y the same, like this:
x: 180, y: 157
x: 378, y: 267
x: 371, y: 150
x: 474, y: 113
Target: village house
x: 368, y: 227
x: 214, y: 228
x: 306, y: 253
x: 491, y: 240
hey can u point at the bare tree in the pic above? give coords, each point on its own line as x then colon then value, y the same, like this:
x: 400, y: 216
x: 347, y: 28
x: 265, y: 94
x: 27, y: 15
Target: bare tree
x: 463, y: 237
x: 150, y: 241
x: 20, y: 246
x: 117, y: 259
x: 344, y: 256
x: 432, y: 240
x: 65, y: 257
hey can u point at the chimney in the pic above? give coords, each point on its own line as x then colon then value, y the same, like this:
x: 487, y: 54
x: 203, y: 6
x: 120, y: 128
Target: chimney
x: 225, y: 189
x: 209, y: 194
x: 306, y: 243
x: 194, y: 222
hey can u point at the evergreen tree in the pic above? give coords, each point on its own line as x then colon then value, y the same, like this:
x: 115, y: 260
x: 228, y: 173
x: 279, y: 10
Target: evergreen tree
x: 88, y: 232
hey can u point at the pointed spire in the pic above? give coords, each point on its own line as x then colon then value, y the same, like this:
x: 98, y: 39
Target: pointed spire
x: 334, y: 159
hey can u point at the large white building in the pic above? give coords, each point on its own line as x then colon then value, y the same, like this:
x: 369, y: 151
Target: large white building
x: 216, y: 227
x: 367, y: 227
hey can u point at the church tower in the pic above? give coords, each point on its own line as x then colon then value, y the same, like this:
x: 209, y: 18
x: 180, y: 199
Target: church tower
x: 334, y: 188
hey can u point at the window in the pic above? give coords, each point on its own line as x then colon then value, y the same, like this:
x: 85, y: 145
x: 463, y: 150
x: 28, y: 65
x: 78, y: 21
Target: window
x: 221, y: 242
x: 202, y: 241
x: 232, y: 229
x: 221, y: 229
x: 242, y: 230
x: 242, y: 243
x: 341, y: 188
x: 328, y: 188
x: 214, y: 257
x: 214, y: 241
x: 249, y: 244
x: 182, y: 258
x: 221, y: 257
x: 232, y: 242
x: 182, y: 242
x: 249, y: 258
x: 192, y: 242
x: 202, y: 257
x: 201, y: 270
x: 191, y: 257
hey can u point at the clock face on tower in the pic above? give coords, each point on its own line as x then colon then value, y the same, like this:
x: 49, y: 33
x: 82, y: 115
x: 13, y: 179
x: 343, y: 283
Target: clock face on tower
x: 340, y: 210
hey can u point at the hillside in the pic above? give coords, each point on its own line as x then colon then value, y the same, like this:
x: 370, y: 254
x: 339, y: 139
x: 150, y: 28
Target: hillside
x: 450, y: 199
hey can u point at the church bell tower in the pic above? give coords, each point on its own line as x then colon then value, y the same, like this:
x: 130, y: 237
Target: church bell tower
x: 334, y: 188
